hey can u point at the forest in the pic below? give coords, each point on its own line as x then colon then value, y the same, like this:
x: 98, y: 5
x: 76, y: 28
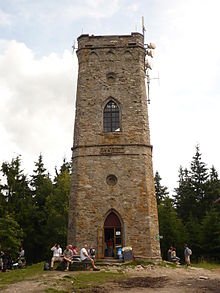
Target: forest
x: 34, y: 209
x: 192, y: 213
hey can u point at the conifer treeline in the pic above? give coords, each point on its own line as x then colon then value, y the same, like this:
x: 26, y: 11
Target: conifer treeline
x: 34, y: 210
x: 191, y: 214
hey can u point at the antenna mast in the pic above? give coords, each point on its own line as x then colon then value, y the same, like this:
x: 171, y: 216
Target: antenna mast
x: 73, y: 47
x: 143, y: 27
x: 147, y: 66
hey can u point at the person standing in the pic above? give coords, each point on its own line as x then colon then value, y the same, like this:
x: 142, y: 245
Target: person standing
x: 57, y: 255
x: 84, y: 256
x: 21, y: 258
x: 187, y: 254
x: 1, y: 260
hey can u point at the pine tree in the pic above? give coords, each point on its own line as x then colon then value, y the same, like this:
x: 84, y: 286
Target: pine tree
x: 16, y: 189
x: 212, y: 189
x: 193, y: 228
x: 199, y: 177
x: 198, y: 189
x: 184, y: 198
x: 57, y: 206
x: 17, y: 194
x: 3, y: 203
x: 171, y: 227
x: 11, y: 235
x: 41, y: 183
x: 42, y: 188
x: 210, y: 234
x: 161, y: 191
x: 190, y: 197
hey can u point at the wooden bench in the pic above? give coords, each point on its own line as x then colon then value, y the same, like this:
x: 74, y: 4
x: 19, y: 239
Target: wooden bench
x: 79, y: 265
x: 76, y: 265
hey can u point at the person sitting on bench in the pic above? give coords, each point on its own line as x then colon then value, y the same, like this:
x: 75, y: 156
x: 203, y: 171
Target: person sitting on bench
x: 67, y: 256
x: 84, y: 256
x: 57, y: 255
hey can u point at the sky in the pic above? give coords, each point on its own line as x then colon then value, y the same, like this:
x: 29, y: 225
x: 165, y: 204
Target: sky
x: 38, y: 76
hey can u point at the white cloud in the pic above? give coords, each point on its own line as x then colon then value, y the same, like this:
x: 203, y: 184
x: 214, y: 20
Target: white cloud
x: 185, y: 106
x: 5, y: 18
x: 37, y: 111
x: 39, y: 92
x: 133, y: 7
x: 51, y: 12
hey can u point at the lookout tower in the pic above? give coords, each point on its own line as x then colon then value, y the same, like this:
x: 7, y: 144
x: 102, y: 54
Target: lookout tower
x: 112, y: 200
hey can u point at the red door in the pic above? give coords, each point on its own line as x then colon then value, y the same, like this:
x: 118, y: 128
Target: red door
x: 112, y: 235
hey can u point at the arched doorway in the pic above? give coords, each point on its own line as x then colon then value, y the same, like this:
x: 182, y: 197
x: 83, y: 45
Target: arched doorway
x: 112, y: 235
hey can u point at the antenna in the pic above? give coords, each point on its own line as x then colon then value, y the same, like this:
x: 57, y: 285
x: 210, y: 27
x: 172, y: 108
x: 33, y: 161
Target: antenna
x: 143, y: 27
x: 148, y: 86
x: 149, y: 51
x: 73, y: 46
x: 148, y: 83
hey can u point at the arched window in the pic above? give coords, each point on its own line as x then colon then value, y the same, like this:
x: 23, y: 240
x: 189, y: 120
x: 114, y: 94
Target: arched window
x: 111, y: 117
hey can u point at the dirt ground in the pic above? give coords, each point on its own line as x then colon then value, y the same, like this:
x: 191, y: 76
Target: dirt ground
x: 140, y: 279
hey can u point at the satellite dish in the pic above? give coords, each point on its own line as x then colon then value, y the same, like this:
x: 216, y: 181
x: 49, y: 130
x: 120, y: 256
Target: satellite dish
x: 147, y: 65
x: 151, y: 46
x: 149, y: 53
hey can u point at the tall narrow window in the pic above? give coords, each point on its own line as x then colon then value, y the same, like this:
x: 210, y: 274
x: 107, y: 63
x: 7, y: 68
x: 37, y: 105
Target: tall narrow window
x: 111, y: 119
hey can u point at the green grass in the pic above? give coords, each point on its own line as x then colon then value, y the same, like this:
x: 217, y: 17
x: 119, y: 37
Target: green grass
x: 139, y: 262
x: 167, y: 264
x: 51, y: 290
x: 64, y: 283
x: 68, y: 282
x: 14, y: 276
x: 207, y: 265
x: 90, y: 279
x: 83, y: 280
x: 202, y: 264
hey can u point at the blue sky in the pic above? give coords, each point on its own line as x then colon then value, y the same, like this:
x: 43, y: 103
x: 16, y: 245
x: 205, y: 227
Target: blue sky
x: 38, y: 74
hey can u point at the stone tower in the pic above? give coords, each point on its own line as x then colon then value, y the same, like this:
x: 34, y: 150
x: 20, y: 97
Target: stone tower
x: 112, y: 200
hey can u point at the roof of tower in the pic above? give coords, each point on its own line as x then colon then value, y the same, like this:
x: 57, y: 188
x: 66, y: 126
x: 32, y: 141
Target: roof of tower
x: 88, y: 41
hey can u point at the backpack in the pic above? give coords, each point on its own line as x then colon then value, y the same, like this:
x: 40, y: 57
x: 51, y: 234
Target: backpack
x: 46, y: 266
x: 189, y: 251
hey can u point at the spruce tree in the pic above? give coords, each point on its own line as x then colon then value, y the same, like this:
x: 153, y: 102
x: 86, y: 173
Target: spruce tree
x: 212, y: 189
x: 16, y: 189
x: 191, y: 193
x: 3, y: 203
x: 199, y: 178
x: 57, y: 206
x: 11, y: 236
x: 210, y: 234
x: 18, y: 198
x: 197, y: 191
x: 42, y: 188
x: 184, y: 199
x: 171, y: 227
x: 160, y: 190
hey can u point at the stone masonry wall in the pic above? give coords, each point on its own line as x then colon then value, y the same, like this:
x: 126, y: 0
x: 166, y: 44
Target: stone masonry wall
x: 112, y: 67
